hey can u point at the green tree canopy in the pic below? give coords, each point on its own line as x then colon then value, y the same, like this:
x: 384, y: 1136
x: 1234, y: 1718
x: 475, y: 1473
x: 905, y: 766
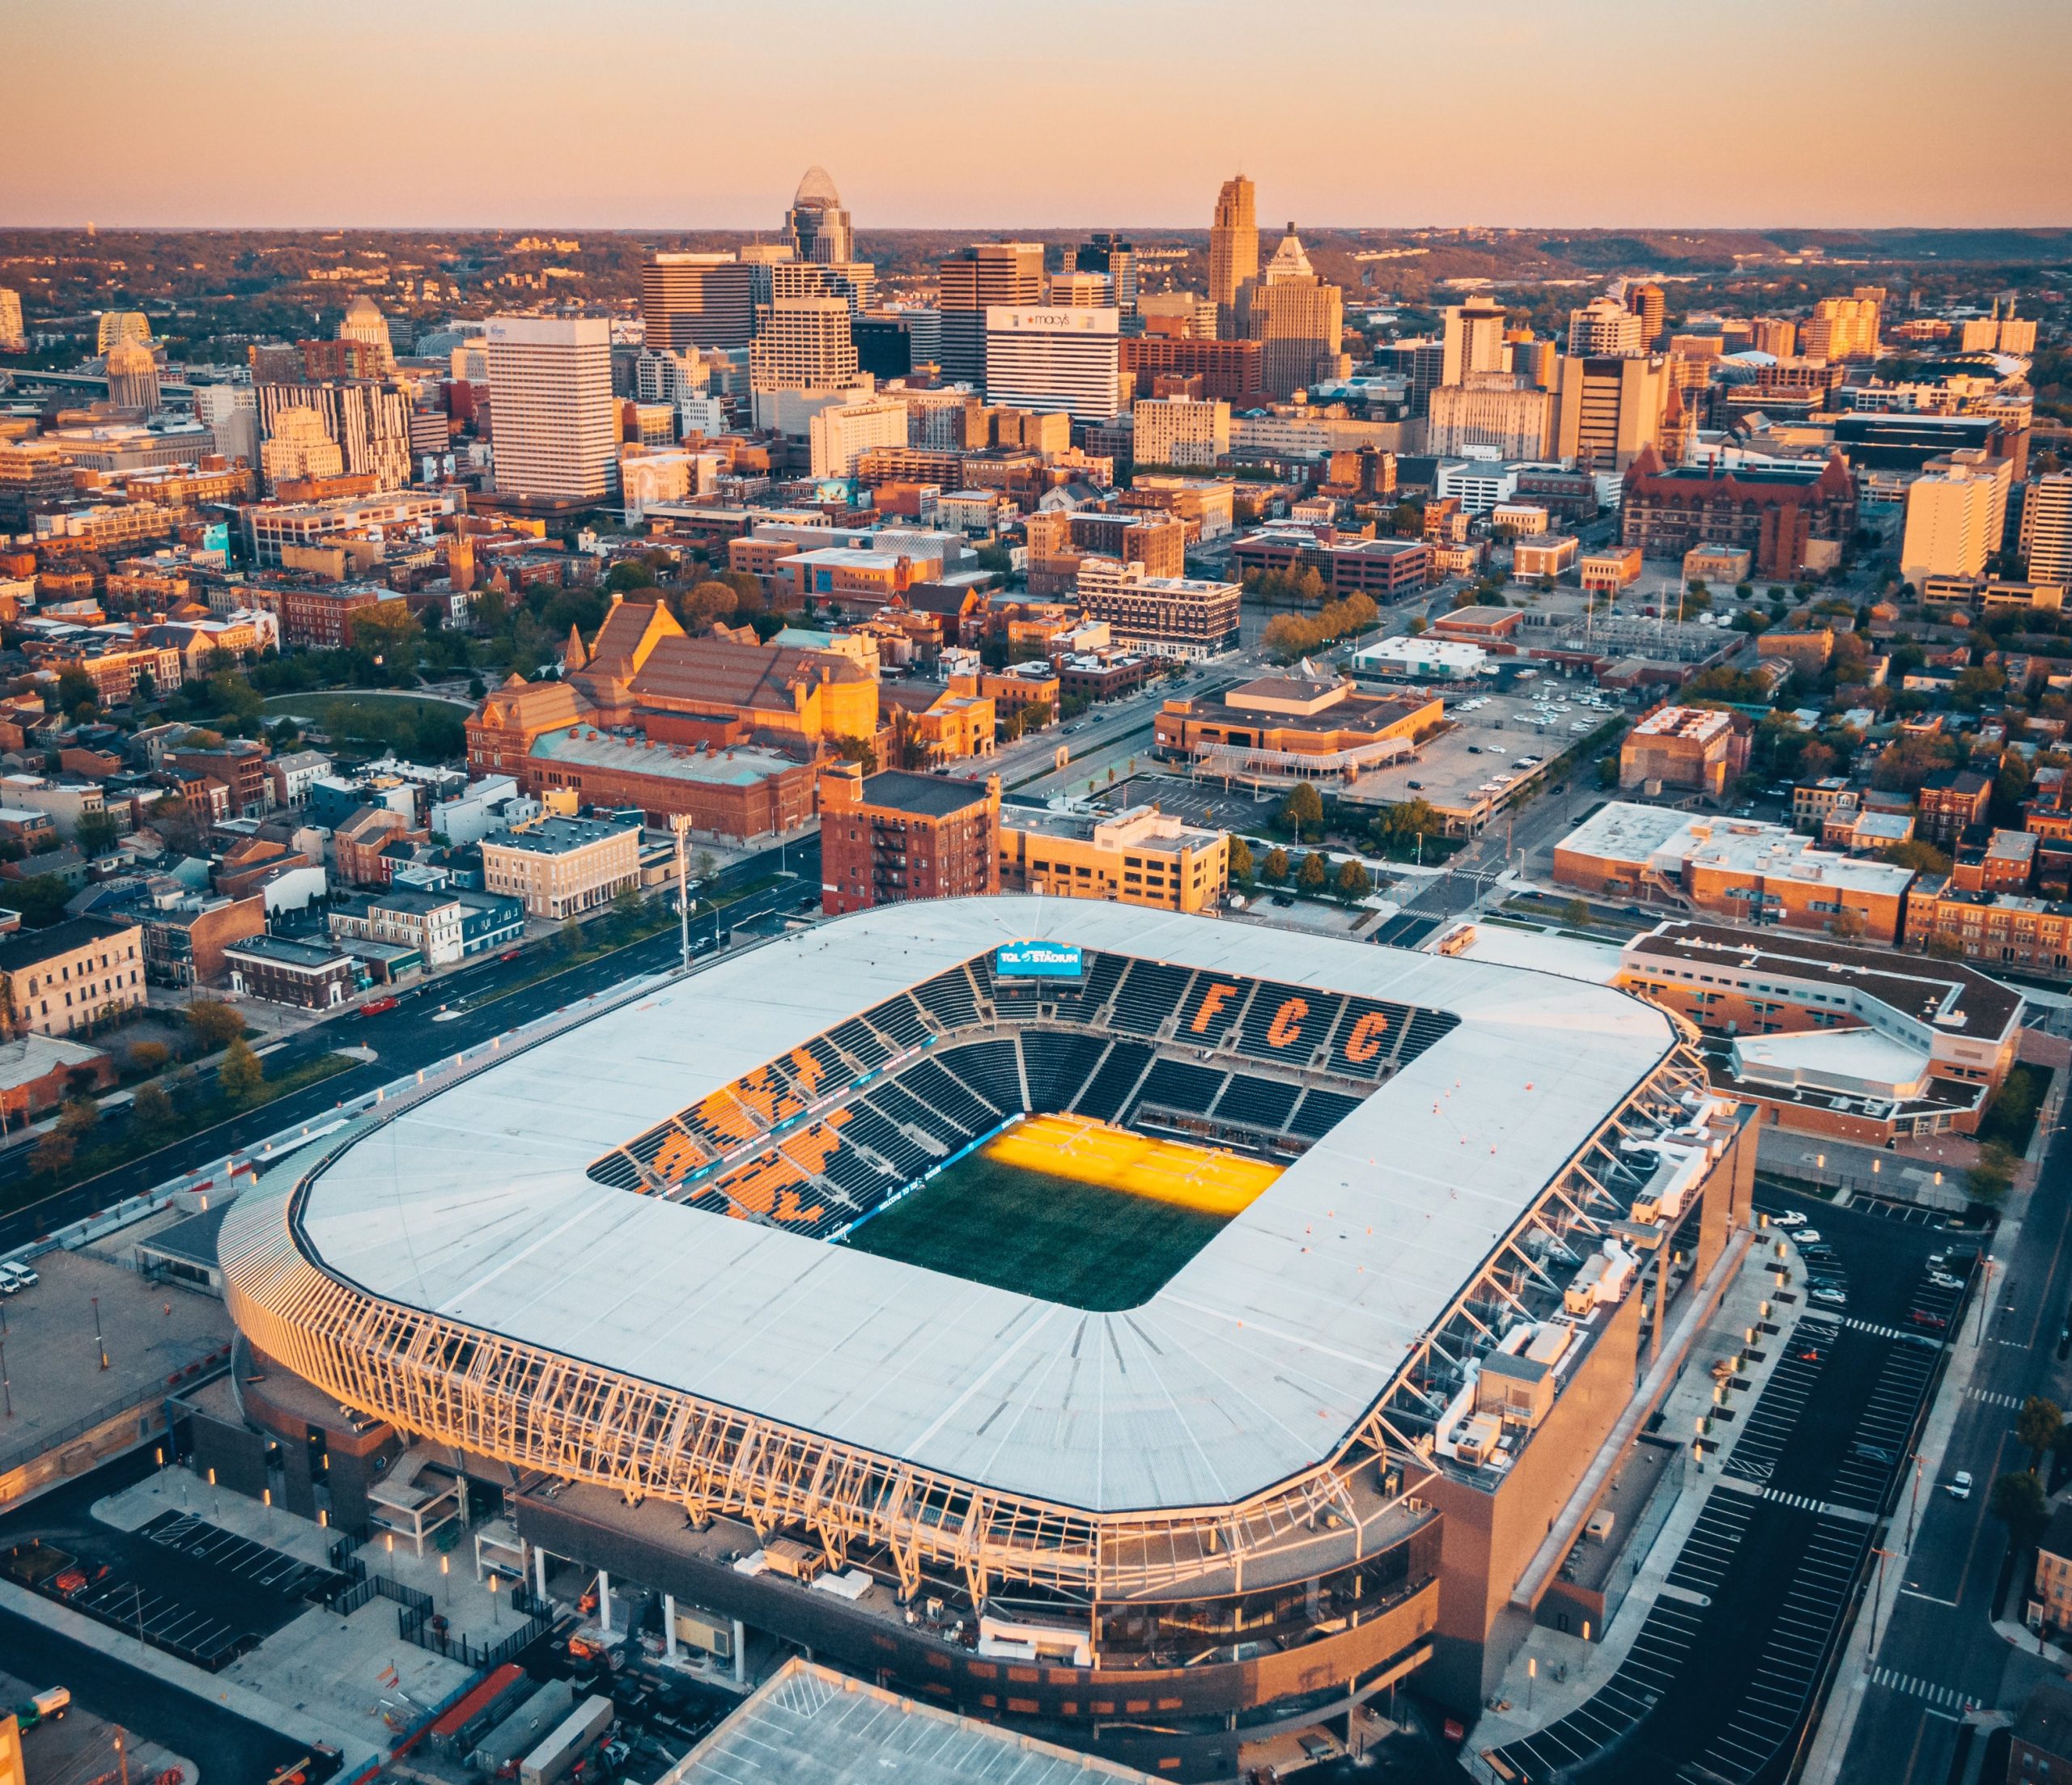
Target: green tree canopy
x: 1314, y: 874
x: 240, y: 1072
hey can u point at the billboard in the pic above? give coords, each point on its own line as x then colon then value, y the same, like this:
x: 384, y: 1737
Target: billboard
x: 1038, y: 960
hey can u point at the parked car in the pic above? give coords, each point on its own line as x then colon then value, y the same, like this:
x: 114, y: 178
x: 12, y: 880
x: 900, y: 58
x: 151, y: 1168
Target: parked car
x: 377, y: 1006
x: 1943, y: 1280
x: 1959, y: 1486
x: 14, y: 1276
x: 1791, y: 1218
x: 1934, y: 1322
x: 1808, y: 1236
x: 1872, y: 1453
x: 1829, y: 1298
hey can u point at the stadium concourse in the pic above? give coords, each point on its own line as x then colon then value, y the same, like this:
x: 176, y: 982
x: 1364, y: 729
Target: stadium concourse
x: 1344, y: 1433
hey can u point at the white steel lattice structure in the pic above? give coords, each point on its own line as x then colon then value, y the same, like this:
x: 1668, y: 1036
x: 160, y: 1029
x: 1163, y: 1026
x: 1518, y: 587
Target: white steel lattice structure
x: 454, y: 1268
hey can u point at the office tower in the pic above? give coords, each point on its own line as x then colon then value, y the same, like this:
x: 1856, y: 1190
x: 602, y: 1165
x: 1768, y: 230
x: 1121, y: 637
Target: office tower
x: 554, y: 420
x: 1421, y: 363
x: 370, y: 422
x: 365, y: 324
x: 2047, y: 528
x: 1956, y: 512
x: 1296, y: 319
x: 696, y: 300
x: 231, y: 413
x: 1109, y: 254
x: 851, y: 281
x: 665, y: 376
x: 1474, y: 338
x: 817, y: 223
x: 973, y: 281
x: 13, y: 337
x: 802, y: 344
x: 842, y: 433
x: 1646, y: 302
x: 1178, y: 315
x: 1776, y: 338
x: 1503, y: 411
x: 116, y: 323
x: 759, y: 257
x: 1082, y: 291
x: 1611, y: 407
x: 132, y: 375
x: 1053, y: 360
x: 1844, y: 328
x: 299, y: 447
x: 1233, y: 248
x: 1179, y: 430
x: 1603, y: 327
x: 1536, y: 361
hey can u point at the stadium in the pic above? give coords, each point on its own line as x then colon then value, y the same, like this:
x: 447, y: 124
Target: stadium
x: 1153, y: 1331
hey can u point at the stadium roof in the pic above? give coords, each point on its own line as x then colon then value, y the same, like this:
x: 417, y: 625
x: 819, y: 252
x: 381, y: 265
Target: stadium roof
x: 1256, y: 1359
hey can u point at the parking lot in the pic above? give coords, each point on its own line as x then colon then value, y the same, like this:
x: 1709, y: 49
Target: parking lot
x: 1195, y: 802
x: 1725, y: 1672
x: 240, y: 1558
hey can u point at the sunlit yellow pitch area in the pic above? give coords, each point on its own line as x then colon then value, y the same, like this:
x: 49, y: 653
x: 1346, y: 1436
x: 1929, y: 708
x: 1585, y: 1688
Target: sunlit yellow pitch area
x: 1209, y: 1182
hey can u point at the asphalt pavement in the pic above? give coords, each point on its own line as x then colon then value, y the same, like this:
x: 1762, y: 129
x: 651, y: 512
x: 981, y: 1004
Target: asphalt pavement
x: 412, y: 1036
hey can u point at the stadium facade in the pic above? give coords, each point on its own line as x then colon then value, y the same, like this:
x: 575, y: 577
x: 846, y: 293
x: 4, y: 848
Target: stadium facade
x: 1348, y: 1440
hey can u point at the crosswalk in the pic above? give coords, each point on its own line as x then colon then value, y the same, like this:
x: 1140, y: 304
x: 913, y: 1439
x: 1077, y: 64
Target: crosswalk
x: 1805, y: 1502
x: 1875, y: 1330
x: 1993, y: 1397
x: 1943, y: 1697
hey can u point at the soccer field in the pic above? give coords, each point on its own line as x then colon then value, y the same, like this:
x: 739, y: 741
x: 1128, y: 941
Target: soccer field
x: 1068, y: 1210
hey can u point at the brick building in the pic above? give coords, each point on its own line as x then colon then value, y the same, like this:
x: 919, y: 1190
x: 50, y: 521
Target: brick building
x: 306, y: 975
x: 560, y: 867
x: 1233, y: 371
x: 1694, y: 747
x: 1279, y: 727
x: 1951, y: 801
x: 892, y: 837
x: 1773, y: 512
x: 74, y: 974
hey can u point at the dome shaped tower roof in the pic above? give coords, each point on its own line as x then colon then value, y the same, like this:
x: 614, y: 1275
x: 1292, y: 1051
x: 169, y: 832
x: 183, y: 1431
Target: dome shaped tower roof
x: 816, y: 191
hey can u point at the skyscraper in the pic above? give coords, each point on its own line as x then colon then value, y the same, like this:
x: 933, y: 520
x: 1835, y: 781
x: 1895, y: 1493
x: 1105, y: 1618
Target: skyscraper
x: 230, y: 412
x: 1109, y: 254
x: 1234, y: 247
x: 13, y: 337
x: 1844, y: 328
x: 802, y: 344
x: 365, y: 324
x: 817, y: 223
x: 1053, y: 360
x: 370, y: 421
x: 553, y: 420
x: 132, y: 375
x: 300, y: 445
x: 2047, y: 528
x: 1296, y: 319
x: 1646, y: 302
x: 1474, y: 338
x: 1611, y: 407
x: 696, y: 300
x: 972, y: 281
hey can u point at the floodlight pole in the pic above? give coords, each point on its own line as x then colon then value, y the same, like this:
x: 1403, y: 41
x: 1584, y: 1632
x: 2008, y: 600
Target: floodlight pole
x: 679, y: 822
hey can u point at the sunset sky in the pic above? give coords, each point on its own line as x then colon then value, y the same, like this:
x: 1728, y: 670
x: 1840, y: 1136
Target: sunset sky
x: 672, y: 114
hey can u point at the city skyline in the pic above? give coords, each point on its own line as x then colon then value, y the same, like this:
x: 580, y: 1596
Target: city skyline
x: 568, y: 132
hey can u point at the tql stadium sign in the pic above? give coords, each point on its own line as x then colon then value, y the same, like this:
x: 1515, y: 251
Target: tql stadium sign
x: 1039, y: 960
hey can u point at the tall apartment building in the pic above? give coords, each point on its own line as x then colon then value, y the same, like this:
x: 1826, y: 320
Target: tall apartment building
x: 696, y: 300
x: 1233, y: 248
x: 1604, y: 327
x: 364, y: 324
x: 842, y: 433
x: 1611, y: 407
x: 891, y: 836
x: 2046, y: 539
x: 1645, y: 300
x: 370, y: 422
x: 1109, y: 253
x: 1844, y: 328
x: 817, y: 223
x: 1297, y: 319
x: 1473, y: 339
x: 554, y: 420
x: 1500, y: 410
x: 1052, y: 360
x: 1179, y: 430
x: 1776, y: 338
x: 14, y: 336
x: 1537, y: 359
x: 804, y: 344
x: 974, y: 280
x: 1956, y: 513
x: 231, y: 413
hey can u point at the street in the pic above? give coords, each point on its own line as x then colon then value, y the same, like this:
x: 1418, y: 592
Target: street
x: 410, y: 1037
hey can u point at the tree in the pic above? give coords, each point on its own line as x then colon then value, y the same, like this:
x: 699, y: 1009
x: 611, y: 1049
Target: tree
x: 1918, y: 853
x: 214, y: 1022
x: 148, y: 1057
x: 40, y: 899
x: 1303, y: 807
x: 2038, y: 1427
x: 1992, y: 1176
x: 858, y: 749
x: 1352, y: 879
x: 241, y: 1071
x: 2017, y: 1500
x: 706, y: 602
x: 1846, y: 924
x: 1240, y: 860
x: 54, y: 1154
x: 1275, y: 868
x: 626, y: 909
x: 78, y: 1117
x: 96, y: 832
x: 151, y: 1109
x: 1575, y: 913
x: 76, y: 688
x: 1314, y: 874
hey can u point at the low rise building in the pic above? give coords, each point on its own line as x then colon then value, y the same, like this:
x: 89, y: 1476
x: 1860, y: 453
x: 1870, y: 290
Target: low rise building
x: 1951, y: 801
x: 429, y: 924
x: 73, y: 976
x: 1999, y: 929
x: 1429, y: 659
x: 891, y: 836
x: 1698, y: 748
x: 1551, y: 555
x: 306, y: 976
x: 1610, y: 570
x: 561, y: 867
x: 1283, y: 728
x: 1185, y: 618
x: 1724, y: 564
x: 1759, y: 873
x: 1140, y: 856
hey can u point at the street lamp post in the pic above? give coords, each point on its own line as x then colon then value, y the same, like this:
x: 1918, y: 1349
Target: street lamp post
x: 1913, y: 1504
x: 1877, y: 1593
